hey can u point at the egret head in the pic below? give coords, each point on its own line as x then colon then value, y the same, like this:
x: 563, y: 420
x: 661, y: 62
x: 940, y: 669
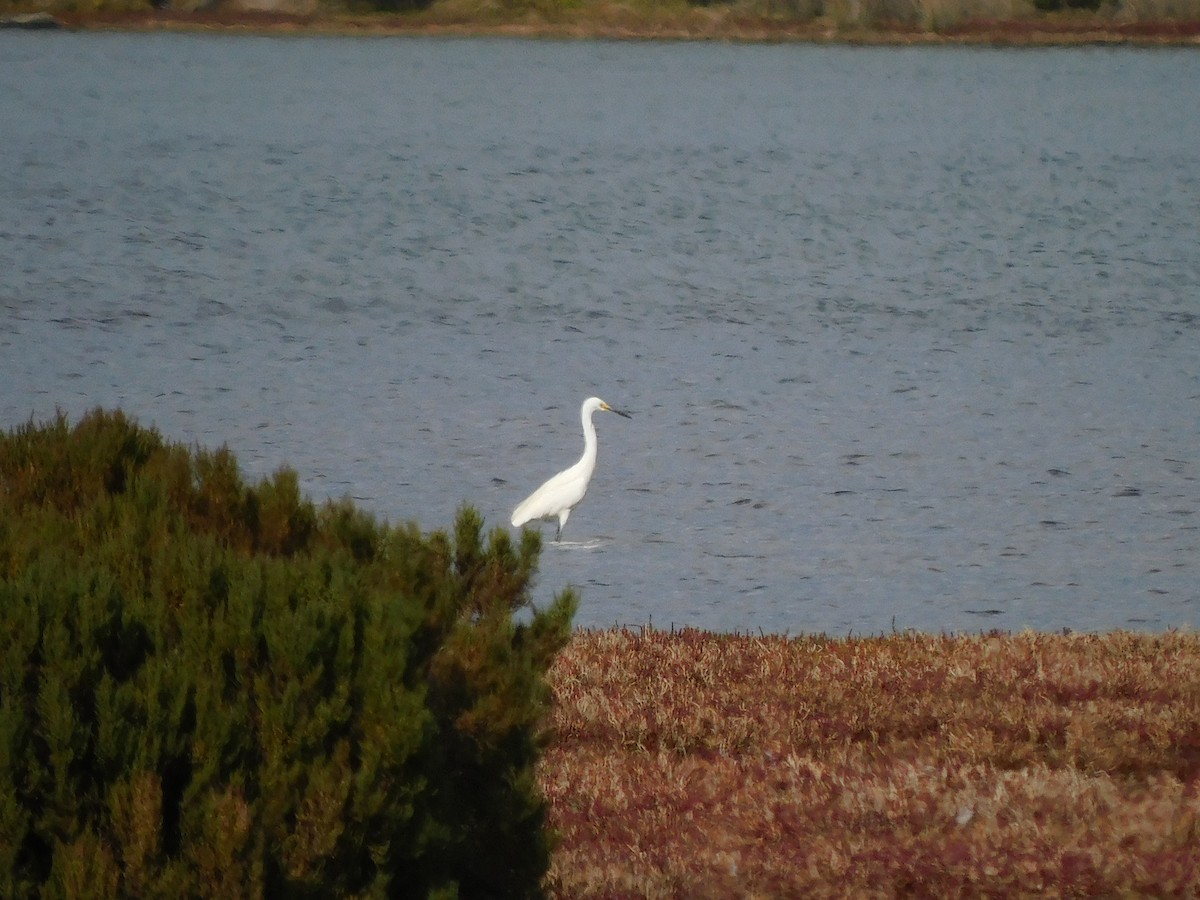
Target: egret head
x: 597, y: 403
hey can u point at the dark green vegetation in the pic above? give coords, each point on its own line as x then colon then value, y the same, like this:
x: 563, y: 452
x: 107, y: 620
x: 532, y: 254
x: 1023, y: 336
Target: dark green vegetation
x: 214, y: 689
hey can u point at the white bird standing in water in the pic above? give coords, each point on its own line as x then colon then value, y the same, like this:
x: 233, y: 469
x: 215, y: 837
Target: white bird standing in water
x: 557, y: 497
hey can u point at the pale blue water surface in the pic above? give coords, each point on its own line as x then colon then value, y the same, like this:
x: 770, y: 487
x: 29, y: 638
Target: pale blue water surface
x: 910, y: 336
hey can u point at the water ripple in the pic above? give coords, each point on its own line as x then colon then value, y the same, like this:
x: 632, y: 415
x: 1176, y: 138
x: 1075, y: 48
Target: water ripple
x: 909, y: 335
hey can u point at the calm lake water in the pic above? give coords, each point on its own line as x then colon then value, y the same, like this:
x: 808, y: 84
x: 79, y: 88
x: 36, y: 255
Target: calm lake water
x: 911, y: 336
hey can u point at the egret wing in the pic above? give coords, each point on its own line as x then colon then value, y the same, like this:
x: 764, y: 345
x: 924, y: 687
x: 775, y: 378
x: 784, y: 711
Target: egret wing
x: 563, y: 491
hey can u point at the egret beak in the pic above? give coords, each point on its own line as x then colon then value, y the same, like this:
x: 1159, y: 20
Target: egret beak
x: 619, y: 412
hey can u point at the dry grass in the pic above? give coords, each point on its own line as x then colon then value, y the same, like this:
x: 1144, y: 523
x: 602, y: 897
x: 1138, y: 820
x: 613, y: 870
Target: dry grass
x: 988, y: 22
x: 700, y: 765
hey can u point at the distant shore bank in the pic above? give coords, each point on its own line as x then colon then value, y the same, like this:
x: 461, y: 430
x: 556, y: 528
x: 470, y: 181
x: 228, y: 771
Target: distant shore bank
x: 699, y: 23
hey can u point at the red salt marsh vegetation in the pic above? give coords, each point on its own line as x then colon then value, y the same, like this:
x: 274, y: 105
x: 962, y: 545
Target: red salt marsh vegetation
x: 691, y: 764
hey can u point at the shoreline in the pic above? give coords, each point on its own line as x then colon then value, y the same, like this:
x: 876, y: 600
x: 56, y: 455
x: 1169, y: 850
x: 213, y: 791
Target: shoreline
x: 697, y: 24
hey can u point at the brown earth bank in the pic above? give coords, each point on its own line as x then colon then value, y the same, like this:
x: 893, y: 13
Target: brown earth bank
x: 699, y: 23
x: 697, y: 765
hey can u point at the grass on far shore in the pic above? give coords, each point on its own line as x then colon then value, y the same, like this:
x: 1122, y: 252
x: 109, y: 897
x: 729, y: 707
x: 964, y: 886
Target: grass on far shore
x: 989, y: 22
x: 700, y: 765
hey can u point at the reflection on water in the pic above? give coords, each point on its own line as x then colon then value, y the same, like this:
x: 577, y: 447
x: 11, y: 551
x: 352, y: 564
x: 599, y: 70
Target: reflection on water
x: 909, y: 335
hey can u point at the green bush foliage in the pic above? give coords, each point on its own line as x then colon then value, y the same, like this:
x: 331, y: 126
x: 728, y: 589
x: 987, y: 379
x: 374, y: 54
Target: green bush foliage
x: 213, y: 689
x: 1056, y: 5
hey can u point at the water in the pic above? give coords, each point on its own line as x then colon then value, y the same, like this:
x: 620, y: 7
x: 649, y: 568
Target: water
x: 910, y: 336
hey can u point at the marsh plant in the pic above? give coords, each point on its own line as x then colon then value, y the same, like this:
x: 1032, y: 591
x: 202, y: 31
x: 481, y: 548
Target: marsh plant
x: 700, y: 765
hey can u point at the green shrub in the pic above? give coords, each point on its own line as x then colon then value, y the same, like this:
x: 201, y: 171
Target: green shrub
x: 1056, y: 5
x: 210, y: 689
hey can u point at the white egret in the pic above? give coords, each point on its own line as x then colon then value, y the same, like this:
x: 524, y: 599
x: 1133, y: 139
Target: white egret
x: 557, y: 497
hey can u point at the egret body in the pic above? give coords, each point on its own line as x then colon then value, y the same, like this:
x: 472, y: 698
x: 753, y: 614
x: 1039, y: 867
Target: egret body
x: 557, y: 497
